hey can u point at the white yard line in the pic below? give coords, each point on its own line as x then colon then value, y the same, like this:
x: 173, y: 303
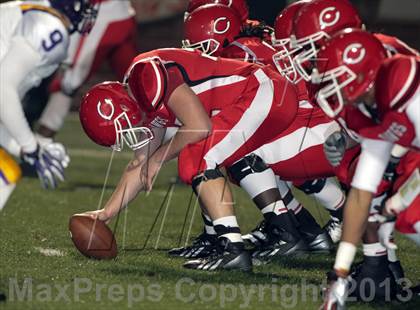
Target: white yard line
x: 49, y: 252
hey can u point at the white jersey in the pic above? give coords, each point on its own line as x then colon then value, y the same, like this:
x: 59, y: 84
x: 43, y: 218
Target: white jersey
x: 42, y: 29
x: 33, y: 42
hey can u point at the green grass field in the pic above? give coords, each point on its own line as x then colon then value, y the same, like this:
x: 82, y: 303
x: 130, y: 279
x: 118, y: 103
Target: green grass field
x: 34, y: 225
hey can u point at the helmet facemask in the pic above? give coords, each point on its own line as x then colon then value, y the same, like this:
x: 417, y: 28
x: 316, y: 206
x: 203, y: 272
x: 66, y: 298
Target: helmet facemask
x: 209, y: 46
x: 134, y: 137
x: 309, y: 50
x: 283, y: 59
x: 330, y: 96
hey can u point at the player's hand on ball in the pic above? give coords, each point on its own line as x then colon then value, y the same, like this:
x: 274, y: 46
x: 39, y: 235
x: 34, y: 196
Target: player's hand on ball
x: 100, y: 214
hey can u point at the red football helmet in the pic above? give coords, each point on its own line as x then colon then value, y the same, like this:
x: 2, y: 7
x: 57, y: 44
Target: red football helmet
x: 317, y: 21
x: 210, y: 28
x: 239, y: 6
x: 111, y: 118
x: 283, y: 29
x: 354, y: 58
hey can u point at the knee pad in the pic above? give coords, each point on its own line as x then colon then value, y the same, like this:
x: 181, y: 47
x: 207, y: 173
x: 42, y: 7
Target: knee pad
x: 246, y: 166
x: 10, y: 171
x: 312, y: 186
x: 210, y: 174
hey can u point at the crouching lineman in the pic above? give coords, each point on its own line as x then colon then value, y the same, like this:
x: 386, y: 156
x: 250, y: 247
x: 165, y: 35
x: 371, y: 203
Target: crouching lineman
x: 259, y: 180
x: 224, y: 108
x: 358, y: 71
x: 35, y: 38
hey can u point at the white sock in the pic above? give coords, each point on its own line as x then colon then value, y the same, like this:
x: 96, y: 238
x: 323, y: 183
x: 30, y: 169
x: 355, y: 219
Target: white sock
x: 208, y: 224
x: 392, y: 256
x: 374, y: 249
x: 228, y: 227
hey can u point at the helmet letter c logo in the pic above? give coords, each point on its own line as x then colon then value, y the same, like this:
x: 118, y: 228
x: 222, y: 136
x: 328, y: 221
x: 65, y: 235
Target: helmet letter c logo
x: 106, y: 110
x: 354, y: 53
x: 329, y: 17
x: 216, y: 23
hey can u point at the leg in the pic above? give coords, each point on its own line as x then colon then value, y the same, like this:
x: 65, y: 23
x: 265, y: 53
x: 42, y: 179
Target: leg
x: 278, y: 235
x: 328, y: 193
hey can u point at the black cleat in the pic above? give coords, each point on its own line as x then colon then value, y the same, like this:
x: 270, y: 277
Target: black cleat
x: 229, y: 256
x: 280, y: 243
x: 257, y: 237
x: 2, y: 297
x: 334, y: 229
x: 202, y: 246
x: 320, y: 243
x: 375, y: 271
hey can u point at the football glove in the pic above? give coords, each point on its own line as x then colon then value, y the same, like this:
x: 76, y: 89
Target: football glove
x: 55, y: 148
x: 385, y: 235
x: 335, y: 147
x: 47, y: 166
x: 335, y: 295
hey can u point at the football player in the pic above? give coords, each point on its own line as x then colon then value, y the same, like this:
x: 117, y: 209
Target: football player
x: 112, y: 39
x: 389, y: 90
x: 232, y: 43
x: 35, y: 38
x: 313, y: 23
x: 225, y: 110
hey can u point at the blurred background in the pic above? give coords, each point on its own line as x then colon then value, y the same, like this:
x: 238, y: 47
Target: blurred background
x: 160, y: 23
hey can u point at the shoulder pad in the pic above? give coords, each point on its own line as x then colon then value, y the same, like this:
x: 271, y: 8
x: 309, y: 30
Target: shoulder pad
x: 47, y: 34
x: 397, y: 80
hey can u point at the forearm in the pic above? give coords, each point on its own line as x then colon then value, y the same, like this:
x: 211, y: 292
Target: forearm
x: 20, y: 60
x: 356, y: 213
x: 130, y: 183
x: 14, y: 120
x: 127, y: 189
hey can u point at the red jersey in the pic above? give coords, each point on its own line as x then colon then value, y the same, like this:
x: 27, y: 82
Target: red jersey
x: 218, y: 82
x: 256, y: 50
x: 395, y: 46
x: 353, y: 119
x: 250, y: 49
x: 397, y: 89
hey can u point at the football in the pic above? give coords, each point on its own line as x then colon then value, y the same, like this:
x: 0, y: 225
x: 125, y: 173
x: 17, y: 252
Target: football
x: 92, y: 238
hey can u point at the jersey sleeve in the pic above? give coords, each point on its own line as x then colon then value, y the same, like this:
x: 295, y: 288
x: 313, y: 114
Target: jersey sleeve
x: 372, y: 164
x: 395, y: 46
x: 46, y: 34
x: 394, y: 128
